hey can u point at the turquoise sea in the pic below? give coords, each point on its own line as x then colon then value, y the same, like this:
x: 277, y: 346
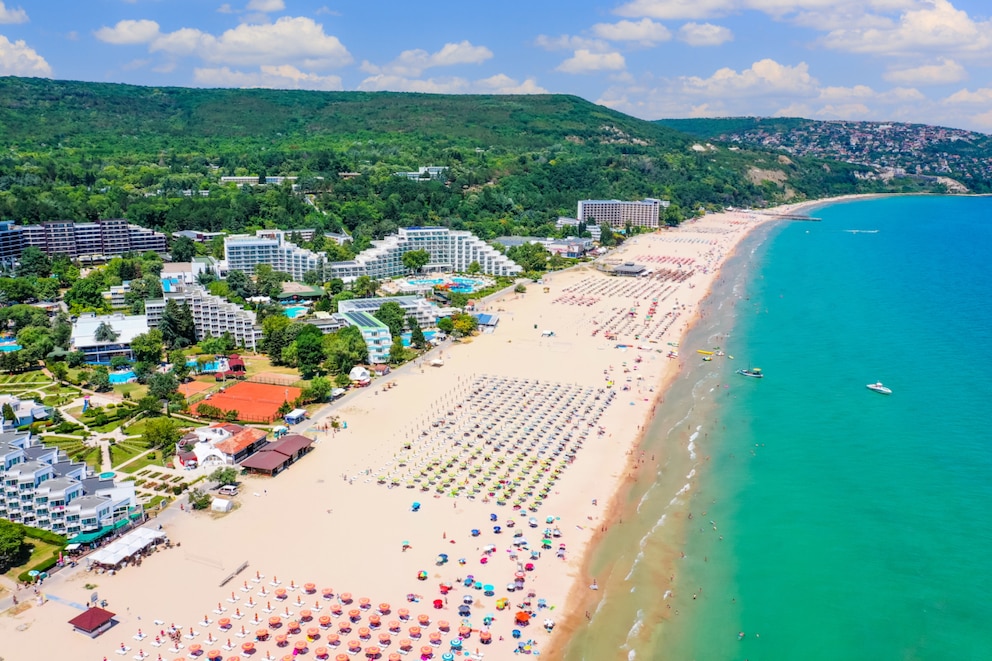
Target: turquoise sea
x: 827, y: 521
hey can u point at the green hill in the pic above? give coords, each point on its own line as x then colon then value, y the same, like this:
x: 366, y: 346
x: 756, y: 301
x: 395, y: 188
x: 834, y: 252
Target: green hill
x: 76, y: 150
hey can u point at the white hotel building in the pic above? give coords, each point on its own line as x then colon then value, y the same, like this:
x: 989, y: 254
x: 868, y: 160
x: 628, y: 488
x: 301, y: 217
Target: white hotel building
x: 242, y: 252
x: 450, y: 251
x: 617, y: 213
x: 42, y: 488
x: 211, y: 315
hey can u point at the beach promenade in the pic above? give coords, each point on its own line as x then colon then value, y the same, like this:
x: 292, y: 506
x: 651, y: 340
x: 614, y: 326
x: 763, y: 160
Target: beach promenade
x: 450, y: 517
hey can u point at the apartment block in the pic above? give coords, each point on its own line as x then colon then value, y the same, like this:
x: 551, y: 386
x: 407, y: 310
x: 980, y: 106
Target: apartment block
x: 375, y: 333
x: 425, y: 312
x: 211, y: 314
x: 100, y: 240
x: 43, y: 489
x: 617, y: 213
x: 243, y: 252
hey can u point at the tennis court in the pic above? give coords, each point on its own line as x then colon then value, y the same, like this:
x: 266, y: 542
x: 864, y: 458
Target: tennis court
x: 254, y: 402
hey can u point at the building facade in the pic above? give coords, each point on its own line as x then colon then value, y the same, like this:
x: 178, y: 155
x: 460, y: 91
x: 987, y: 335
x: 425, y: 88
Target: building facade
x: 450, y: 250
x: 425, y: 312
x: 646, y: 213
x: 374, y: 332
x: 211, y: 314
x: 243, y: 252
x: 126, y: 327
x: 42, y: 488
x: 100, y: 240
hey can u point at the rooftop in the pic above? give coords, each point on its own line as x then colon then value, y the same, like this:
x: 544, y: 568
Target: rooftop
x: 126, y: 326
x: 241, y: 440
x: 363, y: 320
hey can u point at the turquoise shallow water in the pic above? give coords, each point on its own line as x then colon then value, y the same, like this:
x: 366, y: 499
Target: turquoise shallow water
x: 829, y: 522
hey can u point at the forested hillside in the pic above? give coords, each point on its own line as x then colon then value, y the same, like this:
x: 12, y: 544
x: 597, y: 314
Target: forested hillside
x: 79, y: 151
x: 919, y: 150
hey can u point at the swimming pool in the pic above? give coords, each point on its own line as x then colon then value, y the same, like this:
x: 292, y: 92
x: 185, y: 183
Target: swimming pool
x: 458, y: 284
x: 212, y: 366
x: 10, y: 346
x: 122, y: 377
x: 295, y: 311
x: 407, y: 341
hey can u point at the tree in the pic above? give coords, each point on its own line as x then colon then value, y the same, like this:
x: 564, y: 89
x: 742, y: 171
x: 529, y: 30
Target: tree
x: 341, y: 296
x: 161, y: 433
x: 417, y: 338
x: 34, y: 262
x: 46, y: 289
x: 100, y: 379
x: 119, y: 362
x: 274, y: 336
x: 391, y: 314
x: 180, y: 369
x: 147, y: 347
x: 268, y: 281
x: 162, y: 386
x: 521, y: 288
x: 464, y: 324
x: 199, y: 500
x: 311, y: 278
x: 335, y: 286
x: 240, y: 284
x: 105, y: 333
x: 8, y: 413
x: 59, y: 371
x: 397, y: 352
x: 530, y: 256
x: 183, y: 249
x: 11, y: 542
x: 86, y: 294
x: 445, y: 325
x: 415, y: 260
x: 309, y: 351
x: 225, y: 475
x: 149, y: 405
x: 342, y: 380
x: 176, y: 325
x: 345, y: 349
x: 365, y: 287
x: 317, y: 390
x: 474, y: 268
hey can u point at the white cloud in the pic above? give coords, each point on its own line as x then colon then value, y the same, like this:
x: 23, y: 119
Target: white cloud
x: 266, y: 5
x: 937, y: 26
x: 570, y: 42
x: 678, y: 9
x: 981, y: 96
x: 19, y: 59
x: 503, y: 84
x: 269, y: 76
x: 644, y: 31
x: 945, y: 71
x: 11, y: 15
x: 764, y: 77
x: 704, y: 34
x: 129, y: 32
x: 298, y: 41
x: 780, y: 9
x: 498, y: 84
x: 225, y: 8
x: 983, y: 120
x: 411, y: 63
x: 585, y: 61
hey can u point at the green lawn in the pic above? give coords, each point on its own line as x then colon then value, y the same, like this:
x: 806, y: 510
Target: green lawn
x: 143, y: 462
x: 136, y: 428
x: 135, y: 390
x: 39, y: 551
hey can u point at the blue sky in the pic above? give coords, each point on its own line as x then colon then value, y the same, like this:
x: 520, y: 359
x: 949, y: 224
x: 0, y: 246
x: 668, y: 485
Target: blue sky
x: 889, y: 60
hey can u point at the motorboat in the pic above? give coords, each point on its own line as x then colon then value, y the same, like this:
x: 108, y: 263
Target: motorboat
x: 879, y: 388
x: 753, y: 372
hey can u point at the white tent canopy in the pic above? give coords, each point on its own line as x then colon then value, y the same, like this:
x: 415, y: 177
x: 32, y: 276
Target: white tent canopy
x: 131, y: 543
x: 358, y: 373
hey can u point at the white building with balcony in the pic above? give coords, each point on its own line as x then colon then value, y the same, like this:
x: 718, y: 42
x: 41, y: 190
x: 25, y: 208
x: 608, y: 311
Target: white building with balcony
x: 618, y: 213
x: 425, y: 312
x: 212, y: 315
x: 243, y: 252
x: 43, y: 489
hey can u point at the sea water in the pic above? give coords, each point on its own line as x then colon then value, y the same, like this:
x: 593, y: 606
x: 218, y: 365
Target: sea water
x: 827, y: 521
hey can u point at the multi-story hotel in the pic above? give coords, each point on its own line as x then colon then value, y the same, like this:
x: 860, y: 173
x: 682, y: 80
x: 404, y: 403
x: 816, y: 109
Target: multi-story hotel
x: 211, y: 314
x: 100, y: 240
x: 242, y: 252
x: 375, y: 333
x: 126, y: 327
x: 425, y: 312
x: 42, y: 488
x: 450, y: 250
x: 646, y: 213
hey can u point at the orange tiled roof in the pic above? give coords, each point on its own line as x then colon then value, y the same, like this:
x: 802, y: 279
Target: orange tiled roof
x: 241, y: 440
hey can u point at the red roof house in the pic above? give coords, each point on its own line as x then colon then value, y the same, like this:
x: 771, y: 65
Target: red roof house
x: 93, y: 621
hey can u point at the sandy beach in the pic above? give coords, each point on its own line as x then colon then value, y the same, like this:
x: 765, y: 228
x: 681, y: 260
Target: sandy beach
x: 513, y: 449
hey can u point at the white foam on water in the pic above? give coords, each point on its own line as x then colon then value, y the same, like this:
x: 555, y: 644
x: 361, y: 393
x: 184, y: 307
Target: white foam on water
x: 668, y: 594
x: 691, y: 474
x: 645, y: 496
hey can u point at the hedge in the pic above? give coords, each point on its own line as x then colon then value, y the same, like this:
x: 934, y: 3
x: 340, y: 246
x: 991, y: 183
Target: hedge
x: 45, y: 536
x: 44, y: 565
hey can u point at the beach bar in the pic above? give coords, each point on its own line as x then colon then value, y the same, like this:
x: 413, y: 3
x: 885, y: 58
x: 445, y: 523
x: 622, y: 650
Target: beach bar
x: 93, y: 621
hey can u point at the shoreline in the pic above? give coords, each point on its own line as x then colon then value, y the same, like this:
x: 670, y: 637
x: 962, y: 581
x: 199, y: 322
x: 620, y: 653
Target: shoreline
x: 584, y: 600
x: 282, y: 525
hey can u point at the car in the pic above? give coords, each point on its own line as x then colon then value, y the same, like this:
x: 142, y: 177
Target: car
x: 228, y: 490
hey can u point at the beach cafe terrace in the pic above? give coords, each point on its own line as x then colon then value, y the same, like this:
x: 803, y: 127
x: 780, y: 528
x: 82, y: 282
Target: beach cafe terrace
x: 135, y: 542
